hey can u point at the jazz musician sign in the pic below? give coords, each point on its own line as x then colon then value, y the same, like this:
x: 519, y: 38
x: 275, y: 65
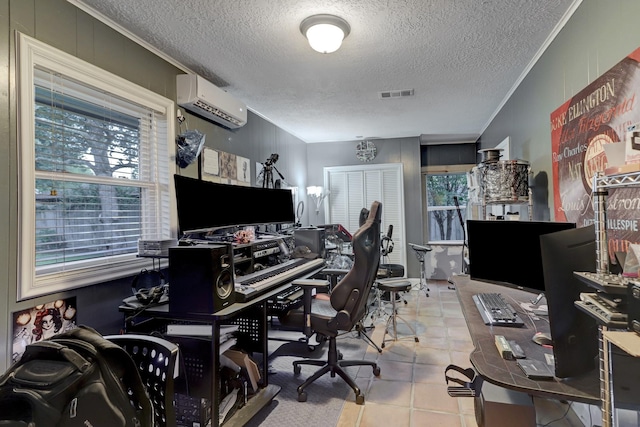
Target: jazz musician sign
x: 599, y: 114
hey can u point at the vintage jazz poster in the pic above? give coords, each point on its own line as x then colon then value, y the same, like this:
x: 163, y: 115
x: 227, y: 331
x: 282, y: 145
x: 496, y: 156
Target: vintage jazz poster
x: 598, y: 115
x: 41, y: 322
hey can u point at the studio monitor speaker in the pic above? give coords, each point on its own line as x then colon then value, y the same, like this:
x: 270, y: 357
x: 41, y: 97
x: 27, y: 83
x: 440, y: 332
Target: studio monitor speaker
x: 201, y: 278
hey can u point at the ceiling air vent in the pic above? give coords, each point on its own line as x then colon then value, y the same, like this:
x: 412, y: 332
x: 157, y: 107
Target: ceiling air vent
x: 395, y: 93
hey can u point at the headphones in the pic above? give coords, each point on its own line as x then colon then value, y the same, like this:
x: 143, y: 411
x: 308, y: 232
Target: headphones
x: 152, y: 289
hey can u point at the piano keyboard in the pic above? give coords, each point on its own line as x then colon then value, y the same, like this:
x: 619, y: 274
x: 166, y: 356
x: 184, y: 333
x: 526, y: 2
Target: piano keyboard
x: 252, y: 285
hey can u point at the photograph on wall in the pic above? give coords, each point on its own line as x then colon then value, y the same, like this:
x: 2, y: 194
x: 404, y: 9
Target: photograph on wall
x: 41, y: 322
x: 244, y: 171
x: 228, y: 166
x: 600, y: 114
x: 210, y: 164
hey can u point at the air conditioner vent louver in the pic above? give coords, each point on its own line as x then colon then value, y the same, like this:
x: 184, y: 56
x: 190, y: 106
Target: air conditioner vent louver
x: 395, y: 93
x: 216, y: 111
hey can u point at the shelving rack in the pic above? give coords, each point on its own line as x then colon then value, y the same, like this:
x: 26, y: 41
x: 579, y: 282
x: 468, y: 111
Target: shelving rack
x: 601, y: 184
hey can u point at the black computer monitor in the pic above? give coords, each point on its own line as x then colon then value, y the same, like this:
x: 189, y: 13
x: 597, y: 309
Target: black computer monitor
x: 574, y: 333
x: 204, y: 205
x: 508, y: 252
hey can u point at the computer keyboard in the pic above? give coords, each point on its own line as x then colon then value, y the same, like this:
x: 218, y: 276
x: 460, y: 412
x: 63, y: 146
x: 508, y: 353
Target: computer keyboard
x: 496, y: 311
x: 606, y: 282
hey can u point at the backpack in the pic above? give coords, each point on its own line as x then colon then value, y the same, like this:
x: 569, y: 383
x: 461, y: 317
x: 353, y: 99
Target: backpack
x: 77, y: 378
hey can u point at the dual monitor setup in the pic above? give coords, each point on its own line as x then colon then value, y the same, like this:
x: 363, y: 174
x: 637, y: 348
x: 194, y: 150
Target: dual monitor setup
x: 542, y: 257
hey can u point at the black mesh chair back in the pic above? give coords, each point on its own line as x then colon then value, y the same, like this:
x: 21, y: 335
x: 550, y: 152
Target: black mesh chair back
x: 156, y: 359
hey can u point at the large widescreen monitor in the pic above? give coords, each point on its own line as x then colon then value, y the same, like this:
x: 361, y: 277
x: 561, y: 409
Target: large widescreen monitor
x: 508, y: 252
x: 204, y: 205
x: 574, y: 333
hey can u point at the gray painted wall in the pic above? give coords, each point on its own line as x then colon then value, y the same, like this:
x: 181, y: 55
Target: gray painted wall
x: 598, y: 36
x: 65, y: 27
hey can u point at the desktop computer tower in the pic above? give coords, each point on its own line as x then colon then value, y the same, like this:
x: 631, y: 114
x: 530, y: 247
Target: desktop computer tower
x: 200, y: 278
x: 499, y: 407
x: 313, y: 238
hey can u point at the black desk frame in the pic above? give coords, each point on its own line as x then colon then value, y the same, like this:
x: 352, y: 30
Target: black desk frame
x: 267, y: 392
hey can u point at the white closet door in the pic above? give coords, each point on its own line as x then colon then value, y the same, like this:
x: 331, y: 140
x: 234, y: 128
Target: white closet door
x: 354, y: 187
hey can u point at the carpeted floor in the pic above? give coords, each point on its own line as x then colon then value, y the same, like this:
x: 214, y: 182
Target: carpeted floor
x: 325, y: 397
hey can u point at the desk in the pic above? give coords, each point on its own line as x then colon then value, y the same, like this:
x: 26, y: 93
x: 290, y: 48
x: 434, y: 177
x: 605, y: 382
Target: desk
x: 505, y: 373
x: 267, y: 392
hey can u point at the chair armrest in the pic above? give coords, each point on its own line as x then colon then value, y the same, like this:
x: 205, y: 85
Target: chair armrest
x: 334, y: 271
x: 311, y: 283
x: 392, y: 280
x: 308, y: 287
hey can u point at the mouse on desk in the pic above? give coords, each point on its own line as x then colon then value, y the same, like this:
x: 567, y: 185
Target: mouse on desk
x: 542, y: 338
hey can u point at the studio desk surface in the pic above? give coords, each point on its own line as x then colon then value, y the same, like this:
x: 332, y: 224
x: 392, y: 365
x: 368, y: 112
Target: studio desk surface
x: 490, y: 365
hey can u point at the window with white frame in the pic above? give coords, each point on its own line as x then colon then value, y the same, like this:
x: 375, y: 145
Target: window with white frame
x: 94, y: 173
x: 443, y: 186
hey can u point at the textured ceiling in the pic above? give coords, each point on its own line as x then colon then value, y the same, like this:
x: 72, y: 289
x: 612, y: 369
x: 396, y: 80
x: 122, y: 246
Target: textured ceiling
x: 461, y: 57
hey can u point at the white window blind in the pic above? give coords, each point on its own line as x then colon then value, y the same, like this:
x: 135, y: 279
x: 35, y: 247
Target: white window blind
x: 95, y: 173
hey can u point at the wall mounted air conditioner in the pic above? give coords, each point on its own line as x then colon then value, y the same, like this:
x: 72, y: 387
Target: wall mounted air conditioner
x: 209, y: 101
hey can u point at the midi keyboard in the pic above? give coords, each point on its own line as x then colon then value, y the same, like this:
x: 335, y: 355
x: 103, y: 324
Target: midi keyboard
x: 255, y: 284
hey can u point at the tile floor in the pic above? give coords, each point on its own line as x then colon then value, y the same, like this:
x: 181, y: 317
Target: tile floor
x: 411, y: 390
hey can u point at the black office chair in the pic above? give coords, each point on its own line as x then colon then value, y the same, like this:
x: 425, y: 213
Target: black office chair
x: 156, y: 360
x: 346, y: 307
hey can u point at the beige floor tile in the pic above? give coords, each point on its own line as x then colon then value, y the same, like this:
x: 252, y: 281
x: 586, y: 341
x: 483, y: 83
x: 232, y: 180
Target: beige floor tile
x: 461, y: 345
x: 460, y: 358
x: 434, y: 419
x: 395, y: 371
x: 469, y: 421
x: 428, y: 321
x: 350, y: 415
x: 466, y: 405
x: 440, y: 343
x: 434, y: 397
x: 456, y: 321
x: 430, y: 356
x: 400, y: 351
x: 397, y: 393
x: 385, y: 415
x: 429, y: 374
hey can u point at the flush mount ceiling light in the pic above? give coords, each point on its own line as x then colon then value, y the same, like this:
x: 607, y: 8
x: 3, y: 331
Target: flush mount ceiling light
x: 325, y: 32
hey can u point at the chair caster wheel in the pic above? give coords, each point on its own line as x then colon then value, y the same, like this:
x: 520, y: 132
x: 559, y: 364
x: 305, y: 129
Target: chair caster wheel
x: 376, y: 371
x: 359, y: 399
x: 311, y: 348
x: 297, y: 369
x: 382, y: 345
x: 340, y: 356
x: 417, y: 340
x: 302, y: 396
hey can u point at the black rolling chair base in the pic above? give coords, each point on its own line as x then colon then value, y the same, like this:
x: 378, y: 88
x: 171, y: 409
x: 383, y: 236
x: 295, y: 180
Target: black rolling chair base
x: 334, y: 366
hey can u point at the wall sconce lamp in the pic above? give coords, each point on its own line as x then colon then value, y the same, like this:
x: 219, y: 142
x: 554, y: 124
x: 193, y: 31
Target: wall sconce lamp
x: 325, y: 32
x: 317, y: 194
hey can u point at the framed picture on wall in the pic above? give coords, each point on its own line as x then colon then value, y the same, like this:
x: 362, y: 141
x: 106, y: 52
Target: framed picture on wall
x: 41, y: 322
